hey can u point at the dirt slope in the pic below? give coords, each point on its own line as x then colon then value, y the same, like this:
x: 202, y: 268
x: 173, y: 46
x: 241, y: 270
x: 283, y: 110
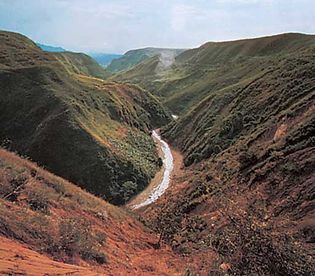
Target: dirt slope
x: 46, y: 222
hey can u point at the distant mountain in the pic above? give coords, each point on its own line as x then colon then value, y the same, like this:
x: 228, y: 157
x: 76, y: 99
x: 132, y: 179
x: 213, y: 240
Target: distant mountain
x: 104, y: 59
x: 134, y: 57
x: 48, y: 48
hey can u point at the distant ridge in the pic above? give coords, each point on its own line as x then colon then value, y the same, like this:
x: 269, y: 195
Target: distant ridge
x: 104, y: 59
x: 134, y: 57
x: 80, y: 63
x: 198, y: 72
x: 48, y: 48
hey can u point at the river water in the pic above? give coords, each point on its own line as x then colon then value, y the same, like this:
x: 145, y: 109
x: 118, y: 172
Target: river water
x: 168, y: 167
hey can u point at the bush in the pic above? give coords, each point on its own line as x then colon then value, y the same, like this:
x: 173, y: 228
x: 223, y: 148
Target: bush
x: 11, y: 186
x: 246, y: 159
x: 101, y: 238
x: 252, y: 250
x: 76, y: 238
x: 128, y: 189
x: 38, y: 200
x: 94, y: 255
x: 290, y: 167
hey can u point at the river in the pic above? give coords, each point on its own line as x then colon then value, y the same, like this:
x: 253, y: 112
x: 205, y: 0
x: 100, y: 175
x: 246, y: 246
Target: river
x: 167, y: 158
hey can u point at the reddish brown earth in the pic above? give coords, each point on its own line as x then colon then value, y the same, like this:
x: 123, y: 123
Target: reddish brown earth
x: 17, y: 259
x: 130, y: 247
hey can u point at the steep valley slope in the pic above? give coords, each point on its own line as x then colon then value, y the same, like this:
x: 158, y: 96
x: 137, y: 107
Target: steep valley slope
x: 92, y: 132
x: 248, y: 194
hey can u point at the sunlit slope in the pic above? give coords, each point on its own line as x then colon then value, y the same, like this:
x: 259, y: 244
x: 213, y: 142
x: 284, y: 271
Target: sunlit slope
x: 197, y: 73
x: 247, y: 195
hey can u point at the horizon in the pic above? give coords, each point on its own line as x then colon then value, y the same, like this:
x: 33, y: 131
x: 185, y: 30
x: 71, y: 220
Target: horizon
x: 146, y: 47
x: 79, y: 25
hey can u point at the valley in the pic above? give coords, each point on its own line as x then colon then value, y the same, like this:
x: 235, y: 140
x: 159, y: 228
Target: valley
x: 99, y: 177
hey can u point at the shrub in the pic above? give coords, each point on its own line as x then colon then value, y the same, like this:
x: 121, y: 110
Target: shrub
x: 38, y: 200
x: 94, y: 255
x: 246, y: 159
x: 76, y: 238
x: 100, y: 237
x: 290, y: 167
x: 58, y: 187
x: 128, y: 189
x: 11, y: 185
x: 252, y: 250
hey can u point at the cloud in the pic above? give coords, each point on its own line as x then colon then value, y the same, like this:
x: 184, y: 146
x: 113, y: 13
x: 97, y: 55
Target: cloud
x: 181, y: 15
x: 120, y: 25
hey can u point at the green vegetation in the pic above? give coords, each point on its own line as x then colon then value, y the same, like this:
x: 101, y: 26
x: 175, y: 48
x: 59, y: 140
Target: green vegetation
x: 198, y: 73
x: 251, y: 107
x: 247, y: 118
x: 92, y: 132
x: 245, y: 202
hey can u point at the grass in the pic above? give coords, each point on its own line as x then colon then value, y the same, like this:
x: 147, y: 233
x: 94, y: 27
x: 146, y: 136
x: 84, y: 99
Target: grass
x: 200, y: 72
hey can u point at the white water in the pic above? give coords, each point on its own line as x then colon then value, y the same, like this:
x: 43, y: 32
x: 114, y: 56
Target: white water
x: 168, y: 167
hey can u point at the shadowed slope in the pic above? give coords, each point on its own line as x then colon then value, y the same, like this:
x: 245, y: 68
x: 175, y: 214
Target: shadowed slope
x: 92, y: 132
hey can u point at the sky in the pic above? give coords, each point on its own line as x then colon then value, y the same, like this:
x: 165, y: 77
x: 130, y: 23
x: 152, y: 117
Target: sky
x: 115, y: 26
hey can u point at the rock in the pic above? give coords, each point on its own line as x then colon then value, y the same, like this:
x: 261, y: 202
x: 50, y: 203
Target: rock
x: 225, y: 267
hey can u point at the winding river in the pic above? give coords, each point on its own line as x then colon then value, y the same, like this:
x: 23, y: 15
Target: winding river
x: 167, y: 170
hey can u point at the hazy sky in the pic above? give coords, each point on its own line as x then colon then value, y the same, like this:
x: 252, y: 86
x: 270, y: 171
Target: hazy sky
x: 119, y: 25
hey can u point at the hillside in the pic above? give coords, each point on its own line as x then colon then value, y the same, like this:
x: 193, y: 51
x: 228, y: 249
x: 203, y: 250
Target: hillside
x: 241, y: 179
x: 197, y: 73
x: 134, y: 57
x: 247, y: 193
x: 80, y: 63
x: 89, y: 131
x: 49, y: 226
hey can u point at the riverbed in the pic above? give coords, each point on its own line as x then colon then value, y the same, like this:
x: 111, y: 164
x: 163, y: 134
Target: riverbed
x: 161, y: 181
